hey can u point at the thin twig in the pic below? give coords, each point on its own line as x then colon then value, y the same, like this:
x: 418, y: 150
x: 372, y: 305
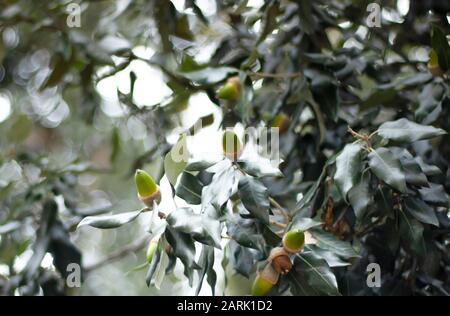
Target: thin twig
x: 275, y: 223
x: 363, y: 137
x: 282, y: 211
x: 275, y: 76
x: 355, y: 134
x: 118, y: 254
x: 372, y: 134
x: 116, y: 69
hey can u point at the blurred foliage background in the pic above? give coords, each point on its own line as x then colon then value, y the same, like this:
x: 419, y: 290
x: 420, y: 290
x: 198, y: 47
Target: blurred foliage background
x: 82, y: 107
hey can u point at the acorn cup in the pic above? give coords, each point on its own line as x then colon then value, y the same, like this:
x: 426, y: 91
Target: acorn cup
x: 231, y: 145
x: 280, y: 261
x: 231, y: 90
x: 265, y: 280
x: 152, y: 246
x: 293, y: 241
x: 148, y: 190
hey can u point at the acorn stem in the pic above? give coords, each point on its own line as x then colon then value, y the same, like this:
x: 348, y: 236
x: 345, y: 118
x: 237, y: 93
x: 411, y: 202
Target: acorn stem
x: 282, y: 211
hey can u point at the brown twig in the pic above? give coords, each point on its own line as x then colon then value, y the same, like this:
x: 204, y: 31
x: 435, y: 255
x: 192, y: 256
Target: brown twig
x: 363, y: 137
x: 278, y: 224
x: 280, y: 232
x: 118, y: 254
x: 280, y: 209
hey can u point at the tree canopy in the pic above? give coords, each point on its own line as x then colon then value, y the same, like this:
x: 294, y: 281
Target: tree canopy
x: 224, y: 147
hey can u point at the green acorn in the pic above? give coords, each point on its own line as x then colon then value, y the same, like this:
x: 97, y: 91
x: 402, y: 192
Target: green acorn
x: 264, y: 281
x: 231, y: 145
x: 153, y: 245
x: 148, y: 191
x: 281, y: 121
x: 293, y: 241
x: 231, y: 90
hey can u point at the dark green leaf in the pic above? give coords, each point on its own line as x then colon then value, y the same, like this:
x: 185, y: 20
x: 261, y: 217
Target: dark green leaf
x: 331, y: 258
x: 198, y: 12
x: 415, y: 79
x: 329, y: 242
x: 255, y: 198
x: 421, y: 211
x: 270, y: 20
x: 60, y: 68
x: 243, y: 107
x: 63, y: 250
x: 259, y: 166
x: 386, y: 167
x: 206, y: 261
x: 307, y: 22
x: 199, y: 165
x: 183, y: 247
x: 430, y: 104
x: 243, y: 231
x: 40, y: 246
x: 434, y: 194
x: 413, y: 172
x: 379, y: 97
x: 440, y: 44
x: 164, y: 14
x: 152, y: 267
x: 312, y: 276
x: 405, y: 131
x: 201, y: 227
x: 304, y: 223
x: 348, y: 168
x: 189, y: 188
x: 360, y: 196
x: 219, y: 190
x: 324, y: 90
x: 307, y: 198
x: 241, y: 258
x: 429, y: 170
x: 110, y: 221
x: 411, y: 233
x: 160, y: 272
